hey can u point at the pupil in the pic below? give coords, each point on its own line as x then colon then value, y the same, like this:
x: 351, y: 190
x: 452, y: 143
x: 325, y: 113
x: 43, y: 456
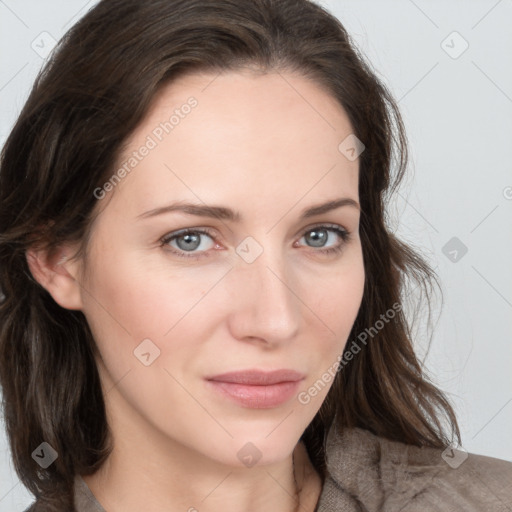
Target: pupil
x: 318, y: 237
x: 189, y: 238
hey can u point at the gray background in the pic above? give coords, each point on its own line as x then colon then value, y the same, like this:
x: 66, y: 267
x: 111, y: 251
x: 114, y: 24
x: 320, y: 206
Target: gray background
x: 457, y: 108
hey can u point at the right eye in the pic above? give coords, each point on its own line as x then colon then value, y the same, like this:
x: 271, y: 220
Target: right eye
x: 187, y: 241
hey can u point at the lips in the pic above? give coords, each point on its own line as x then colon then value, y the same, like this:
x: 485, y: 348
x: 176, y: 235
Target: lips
x: 256, y: 389
x: 258, y: 377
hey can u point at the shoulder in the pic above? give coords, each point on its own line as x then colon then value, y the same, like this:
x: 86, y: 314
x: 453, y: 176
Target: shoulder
x: 39, y: 506
x: 83, y: 501
x: 388, y: 475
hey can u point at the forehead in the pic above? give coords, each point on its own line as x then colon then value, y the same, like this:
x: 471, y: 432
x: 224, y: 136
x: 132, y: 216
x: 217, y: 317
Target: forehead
x: 240, y: 134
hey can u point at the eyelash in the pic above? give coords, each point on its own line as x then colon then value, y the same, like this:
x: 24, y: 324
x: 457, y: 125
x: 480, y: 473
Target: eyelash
x: 341, y: 232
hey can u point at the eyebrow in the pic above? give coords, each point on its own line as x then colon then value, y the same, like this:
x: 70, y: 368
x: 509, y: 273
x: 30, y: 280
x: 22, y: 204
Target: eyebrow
x: 223, y: 213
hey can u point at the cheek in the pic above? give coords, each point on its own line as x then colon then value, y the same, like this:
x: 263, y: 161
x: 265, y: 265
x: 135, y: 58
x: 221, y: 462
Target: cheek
x: 123, y: 291
x: 130, y: 300
x: 338, y: 299
x: 335, y: 306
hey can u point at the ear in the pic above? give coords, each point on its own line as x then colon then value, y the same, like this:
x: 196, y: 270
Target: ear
x: 55, y: 271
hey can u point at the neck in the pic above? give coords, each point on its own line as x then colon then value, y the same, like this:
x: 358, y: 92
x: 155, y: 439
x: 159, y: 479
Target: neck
x: 132, y: 485
x: 149, y: 470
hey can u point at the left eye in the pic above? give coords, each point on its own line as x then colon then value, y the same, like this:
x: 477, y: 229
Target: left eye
x: 189, y: 240
x: 320, y: 234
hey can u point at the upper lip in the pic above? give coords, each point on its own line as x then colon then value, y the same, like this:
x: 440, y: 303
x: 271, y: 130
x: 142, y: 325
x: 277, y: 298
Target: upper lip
x: 258, y: 377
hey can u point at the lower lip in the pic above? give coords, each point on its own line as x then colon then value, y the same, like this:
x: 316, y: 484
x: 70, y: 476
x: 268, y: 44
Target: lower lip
x: 257, y: 397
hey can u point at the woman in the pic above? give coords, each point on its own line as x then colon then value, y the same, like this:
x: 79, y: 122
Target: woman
x: 202, y: 300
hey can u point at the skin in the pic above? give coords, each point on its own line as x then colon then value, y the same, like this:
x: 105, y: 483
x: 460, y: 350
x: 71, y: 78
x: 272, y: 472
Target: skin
x: 266, y: 146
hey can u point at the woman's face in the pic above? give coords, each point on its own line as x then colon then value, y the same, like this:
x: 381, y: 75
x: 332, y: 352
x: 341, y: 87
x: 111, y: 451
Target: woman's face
x: 259, y: 291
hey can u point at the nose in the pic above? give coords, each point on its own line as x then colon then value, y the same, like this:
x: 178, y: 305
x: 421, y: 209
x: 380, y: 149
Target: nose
x: 264, y: 306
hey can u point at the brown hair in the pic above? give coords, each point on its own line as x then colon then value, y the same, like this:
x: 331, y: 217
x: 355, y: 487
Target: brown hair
x: 89, y: 97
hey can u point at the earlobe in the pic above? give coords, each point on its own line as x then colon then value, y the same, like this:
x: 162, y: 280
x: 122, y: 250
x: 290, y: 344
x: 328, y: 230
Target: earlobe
x: 56, y: 274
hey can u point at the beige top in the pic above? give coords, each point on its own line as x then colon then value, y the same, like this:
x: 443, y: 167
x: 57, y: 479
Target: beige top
x: 367, y: 473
